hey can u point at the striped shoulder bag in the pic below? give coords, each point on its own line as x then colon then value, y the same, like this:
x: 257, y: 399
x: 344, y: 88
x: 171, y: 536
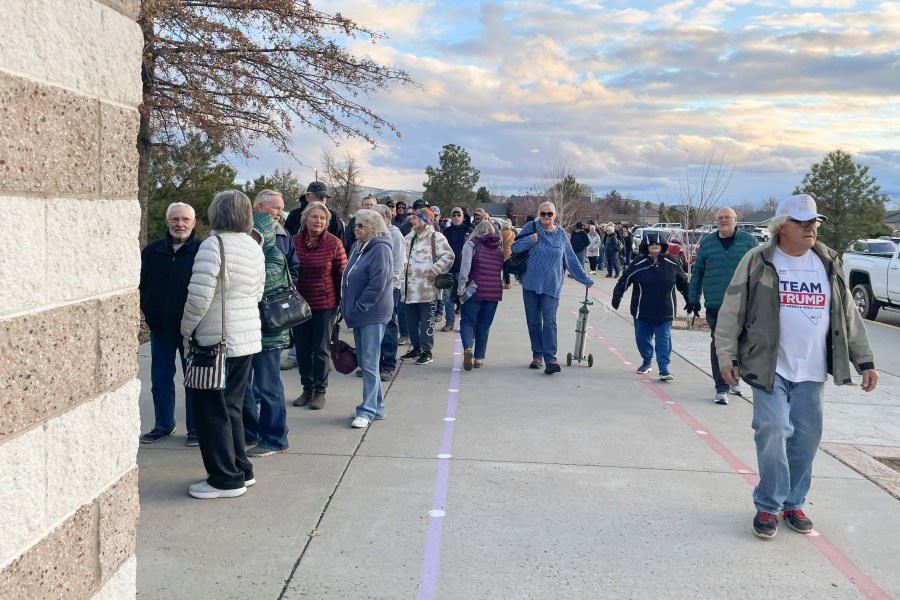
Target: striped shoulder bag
x: 205, y: 365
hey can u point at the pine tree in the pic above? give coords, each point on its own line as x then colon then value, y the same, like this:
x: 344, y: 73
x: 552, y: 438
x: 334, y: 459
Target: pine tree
x: 846, y: 194
x: 451, y: 183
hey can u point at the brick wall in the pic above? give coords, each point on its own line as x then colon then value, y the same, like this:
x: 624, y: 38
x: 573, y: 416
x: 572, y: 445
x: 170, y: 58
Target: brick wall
x: 69, y: 264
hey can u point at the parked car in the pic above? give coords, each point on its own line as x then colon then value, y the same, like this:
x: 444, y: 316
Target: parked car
x: 879, y: 246
x: 708, y: 228
x: 874, y: 278
x: 760, y: 233
x: 676, y: 250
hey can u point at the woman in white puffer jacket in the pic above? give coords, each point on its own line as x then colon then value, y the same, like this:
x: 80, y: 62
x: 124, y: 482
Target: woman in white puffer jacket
x: 217, y: 413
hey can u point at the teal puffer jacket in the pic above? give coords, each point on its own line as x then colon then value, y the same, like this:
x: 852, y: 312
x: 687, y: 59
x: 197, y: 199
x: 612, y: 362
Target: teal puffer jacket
x: 276, y: 275
x: 714, y: 267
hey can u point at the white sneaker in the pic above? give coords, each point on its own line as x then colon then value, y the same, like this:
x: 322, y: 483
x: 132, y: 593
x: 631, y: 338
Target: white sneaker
x: 359, y: 423
x: 249, y: 482
x: 721, y: 398
x: 736, y: 390
x: 204, y: 491
x: 288, y: 362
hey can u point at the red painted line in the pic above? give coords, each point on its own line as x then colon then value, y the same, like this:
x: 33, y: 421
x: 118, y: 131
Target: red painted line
x: 866, y: 586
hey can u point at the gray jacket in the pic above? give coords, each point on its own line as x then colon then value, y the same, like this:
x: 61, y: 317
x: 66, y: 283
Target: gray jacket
x: 747, y: 331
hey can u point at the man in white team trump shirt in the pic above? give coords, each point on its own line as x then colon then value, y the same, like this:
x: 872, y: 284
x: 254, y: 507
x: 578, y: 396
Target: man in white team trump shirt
x: 790, y: 295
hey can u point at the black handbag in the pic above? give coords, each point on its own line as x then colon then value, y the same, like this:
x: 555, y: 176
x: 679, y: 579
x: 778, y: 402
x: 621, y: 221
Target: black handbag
x: 343, y: 355
x: 204, y: 367
x: 517, y: 263
x: 284, y: 310
x: 444, y: 280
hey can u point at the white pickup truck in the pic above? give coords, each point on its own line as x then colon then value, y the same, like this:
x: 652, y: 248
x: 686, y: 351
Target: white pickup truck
x: 874, y: 279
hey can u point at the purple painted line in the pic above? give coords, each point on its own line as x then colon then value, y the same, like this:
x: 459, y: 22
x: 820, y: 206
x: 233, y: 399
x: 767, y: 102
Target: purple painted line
x: 431, y: 561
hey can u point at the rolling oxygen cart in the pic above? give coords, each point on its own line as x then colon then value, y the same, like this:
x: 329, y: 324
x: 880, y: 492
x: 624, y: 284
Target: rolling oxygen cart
x: 581, y: 334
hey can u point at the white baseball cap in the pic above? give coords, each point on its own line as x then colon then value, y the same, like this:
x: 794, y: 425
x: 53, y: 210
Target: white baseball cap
x: 801, y: 207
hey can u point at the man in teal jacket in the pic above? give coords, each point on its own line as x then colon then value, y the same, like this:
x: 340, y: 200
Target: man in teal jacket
x: 716, y: 261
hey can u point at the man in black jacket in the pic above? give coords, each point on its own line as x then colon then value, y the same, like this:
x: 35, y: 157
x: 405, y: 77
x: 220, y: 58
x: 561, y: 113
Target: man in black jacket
x: 166, y: 267
x: 315, y: 192
x: 580, y: 241
x: 457, y: 232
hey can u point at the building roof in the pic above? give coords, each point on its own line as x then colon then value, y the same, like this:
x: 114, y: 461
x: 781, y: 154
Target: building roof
x: 760, y: 217
x: 494, y: 209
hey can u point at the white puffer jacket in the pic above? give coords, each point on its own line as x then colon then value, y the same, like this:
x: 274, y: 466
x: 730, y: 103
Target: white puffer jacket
x: 416, y: 288
x: 245, y: 275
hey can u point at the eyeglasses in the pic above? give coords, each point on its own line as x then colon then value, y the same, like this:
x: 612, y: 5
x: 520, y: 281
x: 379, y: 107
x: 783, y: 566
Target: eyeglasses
x: 806, y: 224
x: 545, y: 214
x: 455, y: 214
x: 360, y: 226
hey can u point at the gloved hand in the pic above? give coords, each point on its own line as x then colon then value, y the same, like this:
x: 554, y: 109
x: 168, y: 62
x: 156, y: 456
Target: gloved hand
x: 692, y: 307
x: 615, y: 303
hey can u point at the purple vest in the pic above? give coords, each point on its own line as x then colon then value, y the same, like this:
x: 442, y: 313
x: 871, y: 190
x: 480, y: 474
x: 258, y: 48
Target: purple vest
x: 487, y: 268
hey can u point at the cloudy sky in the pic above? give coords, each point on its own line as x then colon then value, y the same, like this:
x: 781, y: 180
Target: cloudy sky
x: 633, y: 95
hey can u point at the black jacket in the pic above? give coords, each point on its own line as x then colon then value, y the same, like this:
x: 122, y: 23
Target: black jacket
x: 292, y: 223
x: 457, y: 235
x: 165, y: 275
x: 653, y: 297
x: 579, y: 240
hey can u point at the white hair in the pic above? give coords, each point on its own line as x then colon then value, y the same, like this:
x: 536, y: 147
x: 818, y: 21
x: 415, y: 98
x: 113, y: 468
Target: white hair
x: 263, y: 196
x: 175, y: 205
x: 775, y: 224
x: 384, y: 210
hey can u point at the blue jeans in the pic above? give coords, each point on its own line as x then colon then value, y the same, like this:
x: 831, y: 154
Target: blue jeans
x: 162, y: 382
x: 644, y: 332
x: 448, y: 297
x: 401, y: 317
x: 580, y: 256
x: 612, y: 264
x: 390, y: 340
x: 788, y: 428
x: 267, y: 424
x: 475, y: 319
x: 368, y: 348
x: 540, y: 315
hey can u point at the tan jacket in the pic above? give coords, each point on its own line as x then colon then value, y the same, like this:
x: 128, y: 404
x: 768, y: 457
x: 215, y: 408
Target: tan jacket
x: 747, y: 331
x: 416, y: 287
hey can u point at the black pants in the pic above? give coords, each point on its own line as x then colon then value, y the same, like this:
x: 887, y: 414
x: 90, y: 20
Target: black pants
x: 592, y: 261
x: 313, y: 357
x: 220, y: 427
x: 712, y: 317
x: 420, y: 321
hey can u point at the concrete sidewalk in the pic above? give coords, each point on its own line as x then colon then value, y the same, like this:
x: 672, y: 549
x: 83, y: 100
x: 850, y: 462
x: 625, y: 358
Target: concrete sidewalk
x: 503, y: 482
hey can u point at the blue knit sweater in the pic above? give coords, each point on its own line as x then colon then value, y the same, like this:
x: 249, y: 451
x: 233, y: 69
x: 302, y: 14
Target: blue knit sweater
x: 544, y: 274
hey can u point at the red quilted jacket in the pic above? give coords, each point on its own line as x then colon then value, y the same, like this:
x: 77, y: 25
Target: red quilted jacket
x: 321, y: 267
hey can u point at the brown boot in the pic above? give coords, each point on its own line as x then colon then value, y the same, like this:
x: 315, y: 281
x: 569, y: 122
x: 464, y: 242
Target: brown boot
x: 304, y: 398
x: 318, y: 401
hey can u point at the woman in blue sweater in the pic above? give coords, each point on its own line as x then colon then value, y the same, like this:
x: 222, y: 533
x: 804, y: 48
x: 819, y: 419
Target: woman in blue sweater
x: 543, y: 280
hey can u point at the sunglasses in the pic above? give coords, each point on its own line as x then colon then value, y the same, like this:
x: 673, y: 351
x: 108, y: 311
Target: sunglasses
x: 806, y: 224
x: 545, y: 214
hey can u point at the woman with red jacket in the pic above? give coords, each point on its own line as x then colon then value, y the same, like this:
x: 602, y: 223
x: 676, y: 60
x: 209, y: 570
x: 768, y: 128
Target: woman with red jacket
x: 322, y: 261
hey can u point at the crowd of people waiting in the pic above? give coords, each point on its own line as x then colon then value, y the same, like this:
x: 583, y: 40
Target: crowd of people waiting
x: 394, y: 272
